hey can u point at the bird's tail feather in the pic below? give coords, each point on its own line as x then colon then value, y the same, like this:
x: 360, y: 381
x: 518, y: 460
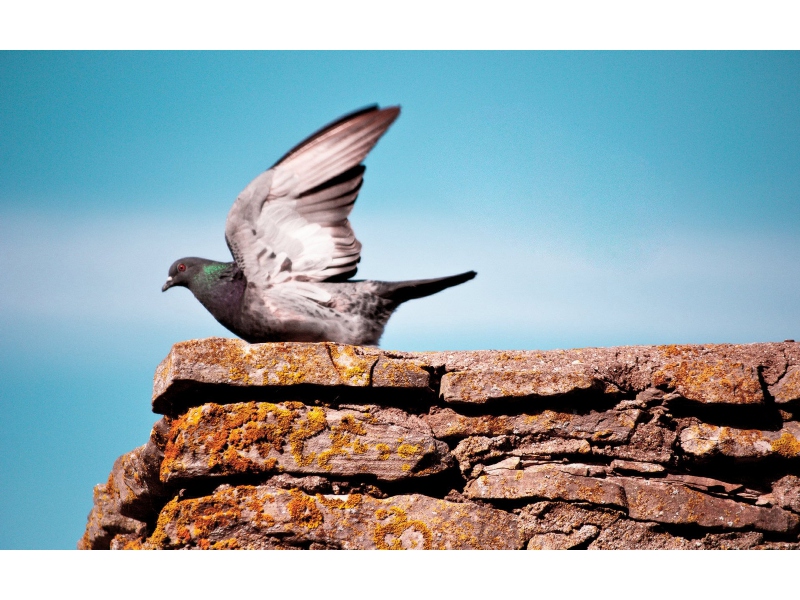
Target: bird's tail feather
x: 401, y: 291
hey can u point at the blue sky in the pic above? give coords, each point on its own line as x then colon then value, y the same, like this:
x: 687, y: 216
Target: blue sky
x: 604, y: 199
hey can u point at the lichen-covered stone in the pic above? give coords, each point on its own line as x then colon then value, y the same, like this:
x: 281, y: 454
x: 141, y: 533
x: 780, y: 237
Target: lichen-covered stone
x: 545, y: 481
x: 706, y: 484
x: 197, y: 371
x: 479, y: 386
x: 703, y: 440
x: 260, y: 437
x: 610, y: 427
x: 788, y: 388
x: 105, y: 523
x: 663, y: 502
x: 591, y: 447
x: 565, y: 517
x: 786, y: 492
x: 650, y: 442
x: 403, y: 373
x: 709, y: 378
x: 141, y: 493
x: 628, y: 466
x: 479, y: 449
x: 724, y: 373
x: 556, y: 447
x: 263, y: 517
x: 625, y: 534
x: 563, y: 541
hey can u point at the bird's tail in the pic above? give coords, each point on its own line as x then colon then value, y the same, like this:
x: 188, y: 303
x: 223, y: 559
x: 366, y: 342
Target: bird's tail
x: 401, y: 291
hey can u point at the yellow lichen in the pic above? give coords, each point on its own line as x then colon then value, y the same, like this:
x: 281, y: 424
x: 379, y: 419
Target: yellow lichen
x: 314, y: 423
x: 389, y: 536
x: 383, y: 451
x: 229, y: 544
x: 407, y: 450
x: 787, y: 445
x: 303, y: 510
x: 353, y: 500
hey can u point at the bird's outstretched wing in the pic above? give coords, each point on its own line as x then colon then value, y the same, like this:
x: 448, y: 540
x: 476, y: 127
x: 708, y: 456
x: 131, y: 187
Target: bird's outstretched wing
x: 290, y: 223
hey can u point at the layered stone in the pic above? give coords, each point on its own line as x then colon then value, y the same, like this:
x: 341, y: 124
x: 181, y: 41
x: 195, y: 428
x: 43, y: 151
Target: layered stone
x: 664, y: 502
x: 786, y: 492
x: 263, y: 517
x: 788, y: 388
x: 709, y: 378
x: 333, y: 446
x: 260, y: 438
x: 545, y: 481
x: 136, y: 477
x: 197, y: 370
x: 651, y: 442
x: 480, y: 386
x: 704, y: 440
x: 105, y: 523
x: 611, y: 427
x: 563, y: 541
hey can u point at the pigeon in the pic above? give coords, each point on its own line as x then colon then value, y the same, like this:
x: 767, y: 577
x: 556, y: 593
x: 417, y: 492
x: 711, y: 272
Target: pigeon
x: 294, y: 251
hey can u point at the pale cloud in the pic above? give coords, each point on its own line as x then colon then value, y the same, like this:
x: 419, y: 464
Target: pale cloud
x: 534, y: 288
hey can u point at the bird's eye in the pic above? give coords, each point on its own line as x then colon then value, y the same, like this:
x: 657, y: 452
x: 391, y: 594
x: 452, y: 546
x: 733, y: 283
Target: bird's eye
x: 181, y: 267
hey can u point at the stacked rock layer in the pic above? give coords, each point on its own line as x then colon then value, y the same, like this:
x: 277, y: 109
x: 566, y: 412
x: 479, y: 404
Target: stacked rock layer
x: 333, y: 446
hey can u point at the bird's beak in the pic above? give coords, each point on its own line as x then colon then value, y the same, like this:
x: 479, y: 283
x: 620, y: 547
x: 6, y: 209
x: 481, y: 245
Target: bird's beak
x: 167, y: 285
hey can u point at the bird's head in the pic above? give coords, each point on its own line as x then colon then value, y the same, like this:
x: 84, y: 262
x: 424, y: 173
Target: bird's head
x: 183, y: 271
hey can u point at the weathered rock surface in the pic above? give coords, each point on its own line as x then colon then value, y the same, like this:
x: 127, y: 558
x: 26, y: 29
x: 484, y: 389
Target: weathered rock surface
x: 788, y: 388
x: 611, y: 427
x: 705, y: 440
x: 259, y: 437
x: 263, y: 517
x: 545, y: 481
x: 106, y: 524
x: 786, y: 493
x: 195, y: 370
x: 334, y: 446
x: 661, y: 502
x: 478, y: 386
x: 135, y: 477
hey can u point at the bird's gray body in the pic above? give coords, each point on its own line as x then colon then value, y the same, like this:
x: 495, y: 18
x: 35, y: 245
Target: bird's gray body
x: 294, y: 249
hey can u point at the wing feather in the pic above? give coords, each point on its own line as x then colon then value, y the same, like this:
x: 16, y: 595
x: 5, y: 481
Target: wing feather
x: 291, y: 222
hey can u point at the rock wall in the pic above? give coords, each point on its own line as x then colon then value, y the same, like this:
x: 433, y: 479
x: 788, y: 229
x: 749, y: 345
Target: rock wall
x: 332, y: 446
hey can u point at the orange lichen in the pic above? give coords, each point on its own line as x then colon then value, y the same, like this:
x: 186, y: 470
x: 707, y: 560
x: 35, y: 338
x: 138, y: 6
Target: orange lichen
x: 135, y: 544
x: 166, y: 517
x: 353, y: 501
x: 303, y: 510
x: 183, y: 522
x: 226, y: 434
x: 671, y: 350
x: 711, y: 380
x: 401, y: 532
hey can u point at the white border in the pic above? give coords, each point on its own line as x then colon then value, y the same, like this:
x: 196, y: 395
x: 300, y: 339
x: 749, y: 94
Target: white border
x: 406, y: 25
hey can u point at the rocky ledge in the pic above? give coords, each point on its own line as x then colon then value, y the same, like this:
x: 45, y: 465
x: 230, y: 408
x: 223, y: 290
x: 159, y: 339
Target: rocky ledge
x: 333, y: 446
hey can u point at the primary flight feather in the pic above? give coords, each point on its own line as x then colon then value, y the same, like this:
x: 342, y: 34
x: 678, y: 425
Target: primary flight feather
x: 294, y: 249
